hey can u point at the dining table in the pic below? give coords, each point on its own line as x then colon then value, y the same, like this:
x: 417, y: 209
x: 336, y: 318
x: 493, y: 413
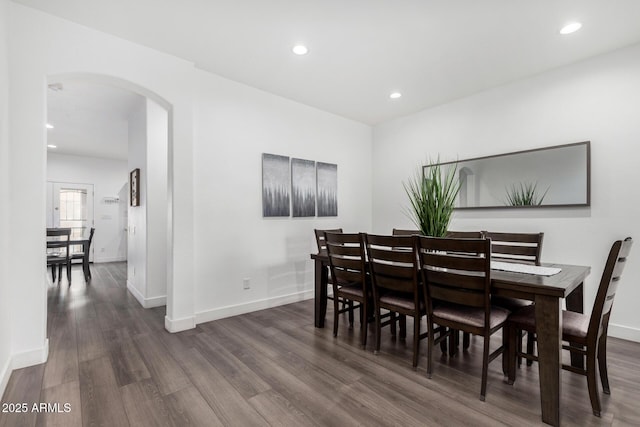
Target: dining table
x: 547, y: 292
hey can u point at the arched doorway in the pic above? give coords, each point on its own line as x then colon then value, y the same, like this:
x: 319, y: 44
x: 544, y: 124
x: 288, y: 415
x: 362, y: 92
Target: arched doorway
x: 145, y: 227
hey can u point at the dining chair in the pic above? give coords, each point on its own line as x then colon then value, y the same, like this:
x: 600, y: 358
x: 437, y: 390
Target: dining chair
x: 457, y: 276
x: 349, y: 277
x: 466, y: 337
x: 86, y: 250
x: 58, y: 252
x: 586, y: 334
x: 523, y: 248
x: 395, y: 282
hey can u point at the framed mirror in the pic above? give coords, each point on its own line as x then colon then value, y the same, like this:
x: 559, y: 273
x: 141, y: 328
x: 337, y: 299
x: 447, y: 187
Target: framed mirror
x: 558, y: 176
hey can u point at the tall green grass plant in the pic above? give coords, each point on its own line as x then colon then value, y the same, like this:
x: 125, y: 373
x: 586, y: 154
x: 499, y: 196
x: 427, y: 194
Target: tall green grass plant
x: 432, y: 193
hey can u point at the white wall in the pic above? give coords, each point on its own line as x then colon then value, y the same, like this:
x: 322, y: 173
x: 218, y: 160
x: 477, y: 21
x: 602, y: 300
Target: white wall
x: 235, y: 124
x: 59, y: 48
x: 5, y: 295
x: 147, y: 249
x: 137, y: 217
x: 107, y: 176
x: 156, y: 187
x: 596, y: 100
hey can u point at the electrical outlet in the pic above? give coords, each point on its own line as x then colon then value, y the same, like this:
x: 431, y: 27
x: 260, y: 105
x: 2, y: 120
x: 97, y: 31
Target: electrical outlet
x: 246, y: 283
x: 133, y: 270
x: 101, y: 249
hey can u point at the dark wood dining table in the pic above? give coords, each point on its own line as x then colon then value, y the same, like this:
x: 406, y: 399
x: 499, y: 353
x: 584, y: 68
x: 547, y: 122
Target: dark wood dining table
x: 546, y: 291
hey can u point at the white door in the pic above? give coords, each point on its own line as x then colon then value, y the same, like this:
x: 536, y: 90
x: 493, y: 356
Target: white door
x: 70, y: 205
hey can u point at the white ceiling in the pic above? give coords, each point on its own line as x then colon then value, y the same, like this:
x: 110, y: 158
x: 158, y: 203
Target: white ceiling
x: 433, y: 51
x: 90, y: 119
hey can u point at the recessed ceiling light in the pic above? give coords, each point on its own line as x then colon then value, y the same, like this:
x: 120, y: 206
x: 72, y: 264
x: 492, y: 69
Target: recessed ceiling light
x: 52, y: 146
x: 300, y: 49
x: 49, y: 126
x: 395, y: 95
x: 571, y: 28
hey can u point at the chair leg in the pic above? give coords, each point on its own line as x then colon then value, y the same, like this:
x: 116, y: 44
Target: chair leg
x: 466, y: 340
x: 591, y: 381
x: 53, y: 274
x: 350, y: 314
x: 602, y: 362
x: 378, y: 329
x: 454, y: 340
x: 485, y: 368
x: 393, y: 317
x: 514, y: 344
x: 69, y: 273
x: 416, y: 340
x: 336, y: 309
x: 403, y: 325
x: 430, y: 348
x: 531, y: 339
x: 364, y: 323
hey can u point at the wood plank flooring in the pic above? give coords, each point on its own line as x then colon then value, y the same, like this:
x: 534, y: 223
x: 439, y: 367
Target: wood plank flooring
x: 115, y: 365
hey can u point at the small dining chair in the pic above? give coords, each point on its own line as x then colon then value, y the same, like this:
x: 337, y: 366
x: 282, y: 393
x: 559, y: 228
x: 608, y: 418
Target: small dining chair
x: 457, y: 277
x: 58, y: 252
x: 395, y: 282
x: 522, y: 248
x: 586, y: 334
x: 86, y: 250
x: 349, y: 278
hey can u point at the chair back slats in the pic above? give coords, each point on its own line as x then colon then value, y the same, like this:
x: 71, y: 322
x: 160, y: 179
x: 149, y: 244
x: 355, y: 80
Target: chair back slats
x: 346, y: 257
x: 392, y: 263
x: 62, y: 236
x: 608, y: 287
x: 404, y: 232
x: 456, y: 270
x: 453, y: 260
x: 517, y: 247
x: 320, y: 237
x: 464, y: 234
x: 457, y: 296
x: 462, y: 280
x: 508, y: 251
x: 391, y: 254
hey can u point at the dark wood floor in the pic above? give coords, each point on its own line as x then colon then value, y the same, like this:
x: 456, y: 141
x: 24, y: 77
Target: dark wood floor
x: 115, y: 365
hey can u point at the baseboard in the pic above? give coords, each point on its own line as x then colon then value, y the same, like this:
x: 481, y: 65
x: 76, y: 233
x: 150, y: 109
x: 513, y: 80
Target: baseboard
x: 99, y: 260
x: 146, y: 302
x: 178, y: 325
x: 5, y: 374
x: 234, y: 310
x: 624, y: 332
x: 32, y: 357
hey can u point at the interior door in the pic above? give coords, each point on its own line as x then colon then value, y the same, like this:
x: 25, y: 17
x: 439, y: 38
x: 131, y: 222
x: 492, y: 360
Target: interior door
x: 70, y: 205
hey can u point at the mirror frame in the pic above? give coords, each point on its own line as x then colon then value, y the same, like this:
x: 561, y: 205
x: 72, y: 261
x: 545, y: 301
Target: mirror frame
x: 567, y: 205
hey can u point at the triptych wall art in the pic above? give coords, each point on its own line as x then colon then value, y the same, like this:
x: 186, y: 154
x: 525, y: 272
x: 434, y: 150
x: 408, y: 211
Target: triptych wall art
x: 313, y: 185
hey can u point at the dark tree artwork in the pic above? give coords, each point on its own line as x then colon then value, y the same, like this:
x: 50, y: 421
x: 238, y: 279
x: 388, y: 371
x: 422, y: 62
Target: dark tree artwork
x: 275, y: 185
x: 303, y: 185
x: 327, y: 194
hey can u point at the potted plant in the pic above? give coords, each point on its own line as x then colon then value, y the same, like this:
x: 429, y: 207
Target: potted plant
x: 432, y: 193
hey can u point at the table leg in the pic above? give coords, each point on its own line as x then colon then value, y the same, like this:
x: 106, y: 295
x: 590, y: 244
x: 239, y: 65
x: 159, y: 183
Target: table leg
x: 549, y: 329
x: 575, y: 302
x: 320, y: 293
